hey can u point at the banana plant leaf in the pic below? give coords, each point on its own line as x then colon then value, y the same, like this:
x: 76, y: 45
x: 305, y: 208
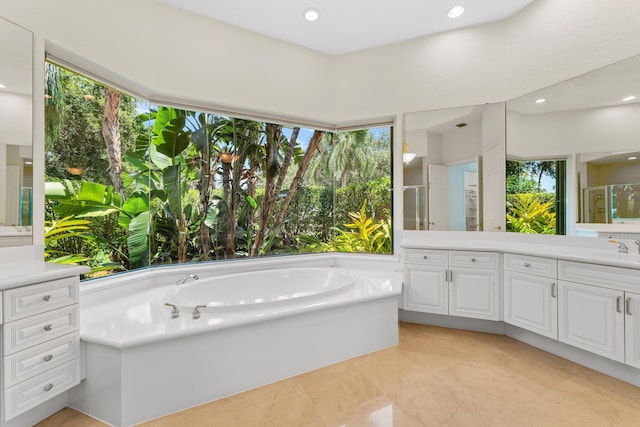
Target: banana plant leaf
x: 138, y: 240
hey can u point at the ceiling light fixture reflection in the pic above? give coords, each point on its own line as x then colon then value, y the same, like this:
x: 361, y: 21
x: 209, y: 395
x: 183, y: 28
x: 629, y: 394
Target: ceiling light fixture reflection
x: 311, y: 14
x: 632, y: 158
x: 628, y: 98
x: 541, y: 100
x: 406, y: 156
x: 455, y: 11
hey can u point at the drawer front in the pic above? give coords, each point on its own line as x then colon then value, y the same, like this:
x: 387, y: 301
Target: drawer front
x: 426, y: 257
x: 33, y: 361
x: 35, y: 299
x: 37, y: 390
x: 25, y: 333
x: 474, y: 259
x: 600, y: 275
x: 545, y: 267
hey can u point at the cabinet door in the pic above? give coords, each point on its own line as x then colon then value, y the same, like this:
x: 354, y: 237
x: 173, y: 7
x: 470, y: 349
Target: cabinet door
x: 474, y: 293
x: 426, y: 289
x: 632, y: 329
x: 591, y: 318
x: 531, y: 302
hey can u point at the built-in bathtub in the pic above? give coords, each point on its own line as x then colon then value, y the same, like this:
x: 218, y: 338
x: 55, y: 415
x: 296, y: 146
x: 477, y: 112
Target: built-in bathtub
x: 142, y: 363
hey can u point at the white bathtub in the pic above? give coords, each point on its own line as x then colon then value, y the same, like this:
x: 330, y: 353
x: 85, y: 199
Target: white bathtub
x: 250, y: 290
x: 141, y: 363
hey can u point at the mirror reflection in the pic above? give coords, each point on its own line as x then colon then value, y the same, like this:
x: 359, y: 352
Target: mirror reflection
x: 454, y: 168
x: 593, y: 123
x: 16, y: 177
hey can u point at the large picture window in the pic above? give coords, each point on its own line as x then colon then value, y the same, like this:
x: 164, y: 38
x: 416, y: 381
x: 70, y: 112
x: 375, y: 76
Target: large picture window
x: 129, y: 184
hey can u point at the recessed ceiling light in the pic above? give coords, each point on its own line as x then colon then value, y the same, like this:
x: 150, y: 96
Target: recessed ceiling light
x: 628, y: 98
x: 311, y: 14
x: 632, y: 158
x: 28, y: 162
x: 455, y: 11
x: 540, y: 100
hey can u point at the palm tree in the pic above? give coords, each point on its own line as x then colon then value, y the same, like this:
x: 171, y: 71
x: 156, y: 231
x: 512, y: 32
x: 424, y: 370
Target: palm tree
x: 343, y: 153
x: 111, y: 134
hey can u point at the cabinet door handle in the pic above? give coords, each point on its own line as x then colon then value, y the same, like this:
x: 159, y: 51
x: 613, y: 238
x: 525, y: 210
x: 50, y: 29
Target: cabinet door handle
x: 450, y: 276
x: 619, y: 304
x: 627, y: 304
x: 526, y: 264
x: 553, y: 290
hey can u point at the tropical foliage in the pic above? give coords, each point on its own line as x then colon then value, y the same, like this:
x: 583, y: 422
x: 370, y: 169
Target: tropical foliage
x: 163, y: 185
x: 530, y: 208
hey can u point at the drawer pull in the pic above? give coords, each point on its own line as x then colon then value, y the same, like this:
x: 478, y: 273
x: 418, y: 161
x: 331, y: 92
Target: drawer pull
x: 473, y: 260
x: 48, y: 387
x: 526, y: 264
x: 48, y: 327
x: 46, y: 298
x: 425, y: 257
x: 48, y: 357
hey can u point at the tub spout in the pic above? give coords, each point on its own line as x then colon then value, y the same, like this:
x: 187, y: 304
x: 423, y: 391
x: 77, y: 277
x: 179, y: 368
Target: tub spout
x: 187, y: 277
x: 196, y: 311
x: 174, y: 310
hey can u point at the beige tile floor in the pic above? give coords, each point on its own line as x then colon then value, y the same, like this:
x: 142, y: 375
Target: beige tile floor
x: 434, y: 377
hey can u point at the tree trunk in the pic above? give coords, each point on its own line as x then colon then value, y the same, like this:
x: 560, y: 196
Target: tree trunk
x: 273, y: 134
x: 205, y: 183
x: 234, y: 202
x: 111, y: 134
x: 297, y: 179
x: 251, y: 188
x: 287, y: 159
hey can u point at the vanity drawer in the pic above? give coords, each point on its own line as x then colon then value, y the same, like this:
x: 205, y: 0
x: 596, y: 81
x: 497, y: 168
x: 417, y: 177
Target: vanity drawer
x: 25, y: 333
x: 35, y: 299
x: 545, y: 267
x: 426, y: 257
x: 474, y: 259
x: 33, y: 361
x: 600, y: 275
x: 32, y: 392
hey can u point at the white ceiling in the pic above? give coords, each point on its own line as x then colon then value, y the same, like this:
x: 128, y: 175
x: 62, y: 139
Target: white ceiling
x: 350, y: 25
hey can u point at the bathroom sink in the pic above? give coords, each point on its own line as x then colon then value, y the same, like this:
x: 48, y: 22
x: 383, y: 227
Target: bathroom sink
x: 615, y: 256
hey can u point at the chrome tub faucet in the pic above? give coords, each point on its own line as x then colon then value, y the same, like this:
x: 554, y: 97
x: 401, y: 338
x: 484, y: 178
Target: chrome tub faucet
x: 187, y: 277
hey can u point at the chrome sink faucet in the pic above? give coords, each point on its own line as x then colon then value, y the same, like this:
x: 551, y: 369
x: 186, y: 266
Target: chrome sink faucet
x: 622, y: 248
x: 187, y: 277
x: 637, y: 242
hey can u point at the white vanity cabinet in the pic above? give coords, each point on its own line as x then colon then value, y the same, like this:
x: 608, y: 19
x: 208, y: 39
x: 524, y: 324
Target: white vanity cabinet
x: 40, y: 343
x: 530, y: 293
x: 457, y: 283
x: 632, y: 329
x: 593, y: 302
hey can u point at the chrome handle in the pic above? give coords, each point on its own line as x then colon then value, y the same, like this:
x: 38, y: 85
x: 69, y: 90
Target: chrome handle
x: 450, y: 276
x: 48, y: 357
x: 48, y: 387
x: 425, y: 257
x: 618, y: 304
x: 48, y: 327
x: 526, y: 264
x: 46, y: 297
x: 627, y: 304
x: 553, y: 290
x: 174, y: 310
x: 473, y: 260
x: 196, y: 311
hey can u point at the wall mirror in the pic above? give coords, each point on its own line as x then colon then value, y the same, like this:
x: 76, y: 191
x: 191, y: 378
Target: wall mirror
x: 16, y: 115
x: 593, y: 122
x: 453, y: 173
